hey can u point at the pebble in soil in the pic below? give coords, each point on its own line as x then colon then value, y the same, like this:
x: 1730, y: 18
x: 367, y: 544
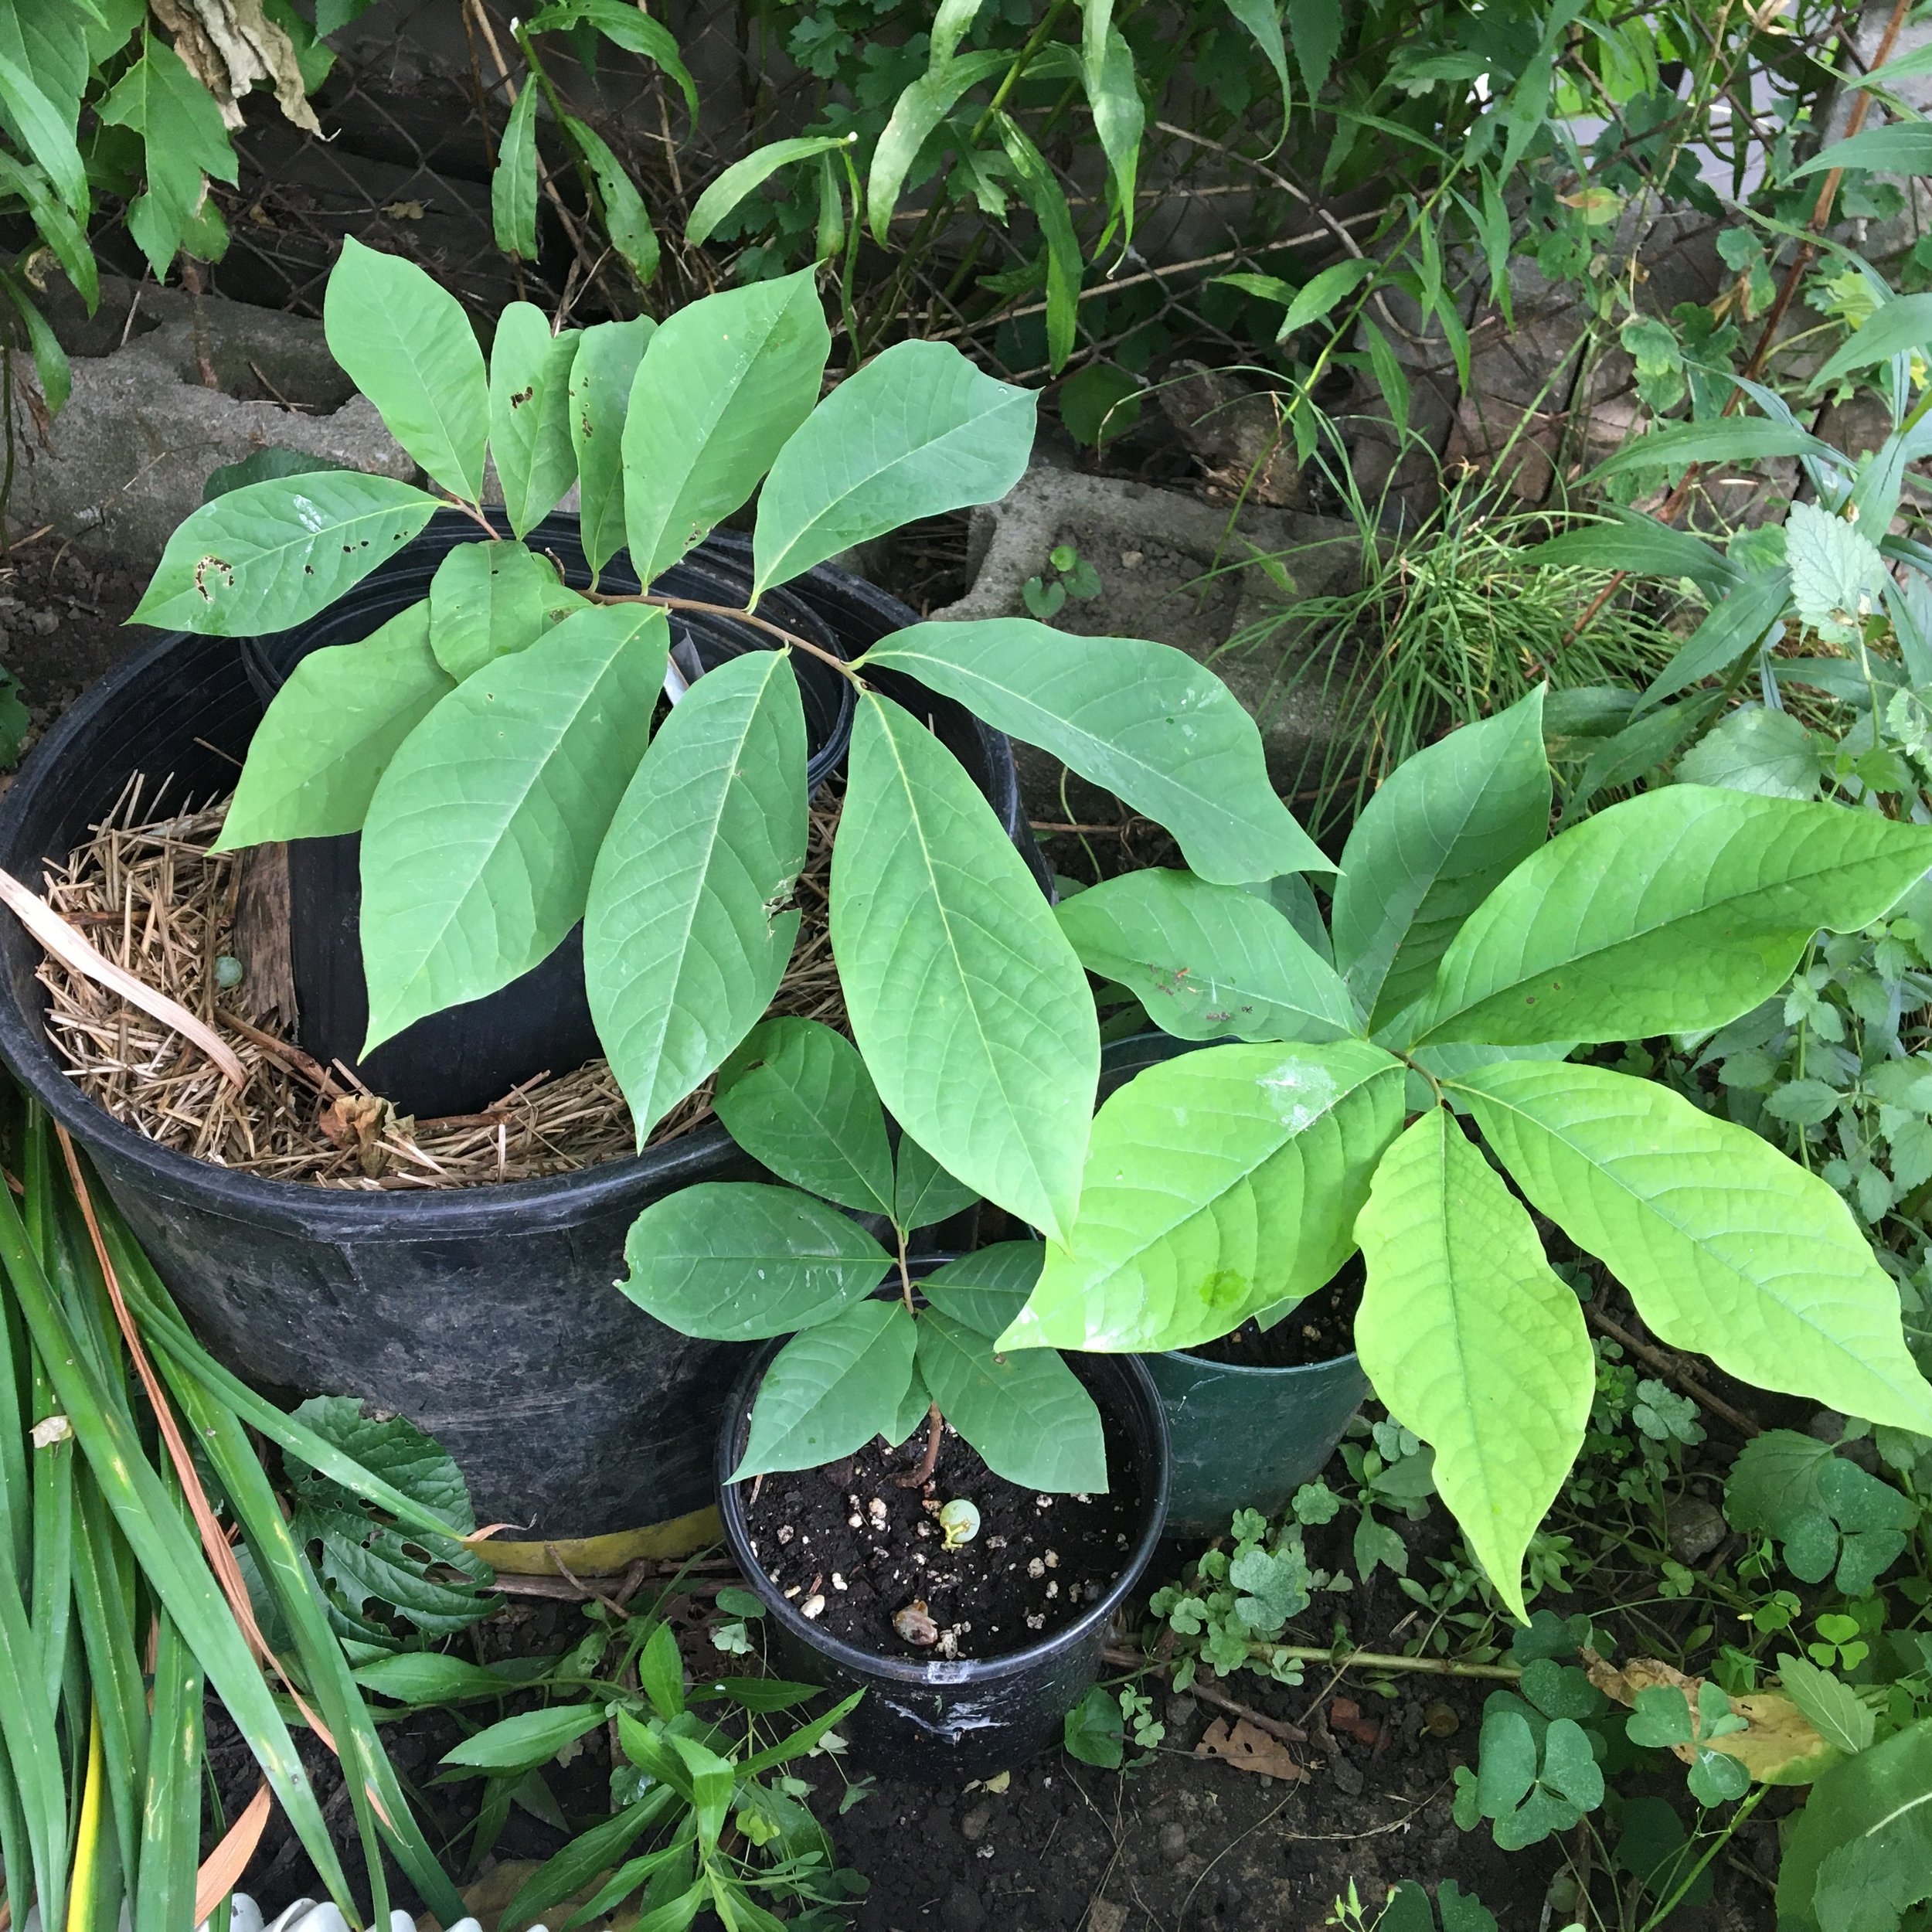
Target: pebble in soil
x: 849, y: 1534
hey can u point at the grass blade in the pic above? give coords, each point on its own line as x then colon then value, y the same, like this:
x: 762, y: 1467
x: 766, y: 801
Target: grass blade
x: 170, y: 1813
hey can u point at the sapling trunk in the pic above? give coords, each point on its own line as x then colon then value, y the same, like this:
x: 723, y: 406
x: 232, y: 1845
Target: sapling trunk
x: 935, y: 1433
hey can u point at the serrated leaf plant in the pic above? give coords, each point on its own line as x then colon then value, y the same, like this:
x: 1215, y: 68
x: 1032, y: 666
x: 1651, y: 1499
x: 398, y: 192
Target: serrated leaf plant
x: 1415, y: 1097
x: 745, y: 1261
x: 493, y: 744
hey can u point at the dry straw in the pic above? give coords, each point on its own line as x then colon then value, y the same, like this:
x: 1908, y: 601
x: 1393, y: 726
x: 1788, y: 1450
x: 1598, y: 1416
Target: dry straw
x: 148, y: 893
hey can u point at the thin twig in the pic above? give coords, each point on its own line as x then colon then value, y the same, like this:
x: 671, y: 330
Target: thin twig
x: 1673, y: 1370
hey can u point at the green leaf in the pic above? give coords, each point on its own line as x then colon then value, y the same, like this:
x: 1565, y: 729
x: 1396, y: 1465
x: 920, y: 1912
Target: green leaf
x: 1218, y: 1184
x: 1679, y: 910
x: 478, y: 847
x: 722, y: 386
x: 1859, y: 1854
x: 684, y: 941
x: 914, y: 1408
x: 586, y: 1857
x: 489, y: 601
x: 922, y: 105
x: 1044, y: 194
x: 1838, y: 577
x: 1321, y: 295
x: 530, y: 413
x: 1471, y: 1340
x: 532, y: 1738
x: 45, y: 131
x: 917, y: 432
x: 600, y: 379
x: 965, y: 999
x: 1113, y: 96
x: 1741, y: 620
x: 1641, y: 545
x: 986, y: 1290
x: 1144, y: 720
x: 739, y: 1261
x: 1263, y: 20
x: 1905, y: 147
x: 56, y: 225
x: 1207, y: 961
x: 829, y: 1391
x: 263, y: 466
x: 633, y: 30
x: 626, y: 220
x: 1836, y: 1711
x: 1725, y: 1245
x: 744, y: 177
x: 513, y: 183
x: 1758, y: 751
x: 407, y: 345
x: 1901, y: 325
x: 923, y: 1190
x: 331, y: 732
x: 1092, y: 1731
x: 1315, y: 27
x: 424, y: 1677
x: 273, y: 555
x: 1438, y: 836
x: 1027, y: 1413
x: 797, y: 1097
x: 1748, y: 439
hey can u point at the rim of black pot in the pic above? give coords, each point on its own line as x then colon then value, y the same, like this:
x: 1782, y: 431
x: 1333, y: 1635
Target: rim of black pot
x: 904, y: 1670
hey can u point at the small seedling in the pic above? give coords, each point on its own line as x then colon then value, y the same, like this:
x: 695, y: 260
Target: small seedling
x: 1073, y: 576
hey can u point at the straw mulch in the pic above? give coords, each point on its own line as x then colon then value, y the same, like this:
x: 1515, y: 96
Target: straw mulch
x: 147, y: 891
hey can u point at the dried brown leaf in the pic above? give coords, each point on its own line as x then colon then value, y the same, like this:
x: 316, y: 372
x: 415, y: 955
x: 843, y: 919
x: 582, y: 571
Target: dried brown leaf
x: 1248, y: 1750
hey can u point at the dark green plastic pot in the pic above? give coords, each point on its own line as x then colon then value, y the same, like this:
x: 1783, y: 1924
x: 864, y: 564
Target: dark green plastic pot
x: 1242, y: 1438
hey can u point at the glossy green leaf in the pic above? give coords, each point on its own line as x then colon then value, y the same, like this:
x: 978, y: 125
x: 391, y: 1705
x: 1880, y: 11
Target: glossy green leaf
x: 331, y: 732
x: 530, y: 413
x: 626, y: 220
x: 965, y: 999
x: 273, y: 555
x: 1027, y: 1413
x: 985, y: 1290
x: 797, y: 1097
x: 1725, y: 1245
x: 1470, y: 1340
x: 1680, y: 909
x: 917, y: 432
x: 480, y: 840
x: 1443, y: 829
x: 1218, y: 1185
x: 600, y: 379
x: 739, y: 1261
x: 587, y: 1857
x: 685, y: 943
x: 513, y: 183
x: 45, y: 131
x: 923, y: 1191
x: 1209, y: 962
x: 829, y: 1391
x: 1737, y: 439
x: 1859, y: 1854
x: 745, y: 176
x: 426, y: 1677
x: 488, y: 600
x: 915, y: 1410
x: 1627, y: 540
x: 723, y: 385
x: 407, y: 345
x: 1142, y: 720
x: 531, y: 1738
x: 922, y: 105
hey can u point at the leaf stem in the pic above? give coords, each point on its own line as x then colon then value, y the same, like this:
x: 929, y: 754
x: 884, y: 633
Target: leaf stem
x: 740, y: 616
x: 935, y: 1428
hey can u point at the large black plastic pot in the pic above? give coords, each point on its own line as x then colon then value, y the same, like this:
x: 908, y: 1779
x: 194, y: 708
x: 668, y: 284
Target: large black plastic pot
x: 976, y: 1715
x: 487, y: 1315
x: 1243, y: 1437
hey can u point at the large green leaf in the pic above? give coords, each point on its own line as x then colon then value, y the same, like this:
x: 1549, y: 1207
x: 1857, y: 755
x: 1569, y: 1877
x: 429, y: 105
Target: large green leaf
x: 923, y: 1191
x: 1471, y: 1340
x: 1143, y: 719
x: 184, y: 142
x: 272, y: 555
x: 1027, y: 1413
x: 530, y: 413
x: 1218, y: 1185
x: 1897, y: 327
x: 917, y: 431
x: 1677, y: 910
x: 513, y: 183
x: 1209, y: 962
x: 1442, y: 832
x: 1737, y: 439
x: 1641, y: 545
x: 330, y: 733
x: 722, y: 384
x: 797, y: 1097
x: 487, y: 600
x: 1904, y: 147
x: 685, y: 942
x: 829, y: 1391
x: 1860, y: 1852
x: 744, y: 177
x: 407, y: 345
x: 964, y: 996
x: 477, y: 850
x: 600, y: 378
x: 1113, y: 98
x: 739, y: 1261
x: 1725, y: 1245
x: 986, y: 1289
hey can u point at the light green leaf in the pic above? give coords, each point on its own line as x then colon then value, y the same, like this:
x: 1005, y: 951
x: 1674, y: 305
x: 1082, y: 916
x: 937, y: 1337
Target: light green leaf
x: 600, y: 379
x: 797, y: 1097
x: 632, y: 29
x: 513, y: 183
x: 1218, y: 1184
x: 1470, y: 1340
x: 1142, y: 720
x: 744, y: 177
x: 522, y: 1742
x: 1725, y: 1245
x: 44, y: 130
x: 684, y: 941
x: 1044, y: 194
x: 530, y: 413
x: 331, y: 732
x: 739, y: 1261
x: 626, y: 220
x: 1859, y: 1854
x: 56, y: 224
x: 1836, y: 1712
x: 965, y: 999
x: 1027, y: 1413
x: 489, y: 601
x: 1838, y: 577
x: 1263, y: 20
x: 923, y: 1191
x: 1315, y: 28
x: 920, y: 107
x: 1113, y: 96
x: 1323, y: 293
x: 1741, y: 620
x: 1905, y: 147
x: 272, y: 555
x: 407, y: 345
x: 829, y: 1391
x: 1439, y: 836
x: 1900, y: 326
x: 917, y: 432
x: 722, y: 386
x: 1756, y: 749
x: 985, y: 1290
x: 1679, y: 910
x: 1207, y: 961
x: 1746, y: 439
x: 477, y: 850
x: 1627, y: 540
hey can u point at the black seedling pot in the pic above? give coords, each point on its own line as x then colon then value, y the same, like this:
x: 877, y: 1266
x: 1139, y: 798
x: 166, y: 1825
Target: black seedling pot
x: 1243, y: 1437
x: 973, y: 1716
x: 486, y: 1314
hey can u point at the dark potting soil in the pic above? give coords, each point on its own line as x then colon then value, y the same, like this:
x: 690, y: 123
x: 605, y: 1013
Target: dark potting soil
x: 1319, y: 1330
x: 849, y: 1535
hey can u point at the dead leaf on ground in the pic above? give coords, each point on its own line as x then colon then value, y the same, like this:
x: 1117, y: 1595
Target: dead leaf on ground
x: 1248, y: 1750
x: 403, y: 210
